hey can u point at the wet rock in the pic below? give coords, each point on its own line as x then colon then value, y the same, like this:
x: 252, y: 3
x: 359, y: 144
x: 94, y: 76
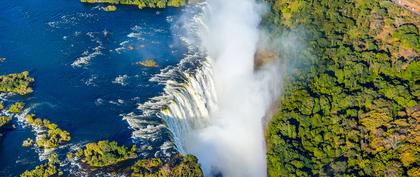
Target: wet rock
x: 263, y: 57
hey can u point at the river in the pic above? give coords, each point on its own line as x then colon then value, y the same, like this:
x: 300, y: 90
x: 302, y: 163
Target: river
x: 83, y: 61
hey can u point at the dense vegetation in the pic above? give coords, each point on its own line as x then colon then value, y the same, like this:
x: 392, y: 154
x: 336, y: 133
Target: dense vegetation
x: 111, y: 157
x: 142, y: 3
x: 4, y: 120
x: 104, y: 153
x: 16, y: 83
x: 45, y: 170
x: 179, y: 166
x: 355, y: 111
x: 53, y: 137
x: 15, y: 108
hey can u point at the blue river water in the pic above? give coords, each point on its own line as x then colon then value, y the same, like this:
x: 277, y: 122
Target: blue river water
x: 83, y: 61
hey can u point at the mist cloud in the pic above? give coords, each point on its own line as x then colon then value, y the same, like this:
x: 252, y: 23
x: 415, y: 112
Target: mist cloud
x: 233, y: 143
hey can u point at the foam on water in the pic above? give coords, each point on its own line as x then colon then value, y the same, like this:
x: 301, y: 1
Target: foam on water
x: 87, y: 56
x: 70, y: 20
x: 90, y: 81
x: 90, y: 54
x: 121, y: 80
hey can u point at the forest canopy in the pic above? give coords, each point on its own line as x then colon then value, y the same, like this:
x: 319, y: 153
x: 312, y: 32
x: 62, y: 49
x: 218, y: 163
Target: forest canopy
x: 16, y: 83
x: 52, y: 137
x: 178, y: 166
x: 105, y: 153
x: 355, y: 110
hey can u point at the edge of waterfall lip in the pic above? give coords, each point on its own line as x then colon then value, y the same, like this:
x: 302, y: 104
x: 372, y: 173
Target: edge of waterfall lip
x: 193, y: 60
x: 150, y: 130
x: 171, y: 77
x: 175, y: 75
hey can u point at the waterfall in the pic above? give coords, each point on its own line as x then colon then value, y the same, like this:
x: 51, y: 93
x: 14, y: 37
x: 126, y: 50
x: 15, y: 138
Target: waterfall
x: 214, y: 101
x: 186, y: 103
x: 188, y: 97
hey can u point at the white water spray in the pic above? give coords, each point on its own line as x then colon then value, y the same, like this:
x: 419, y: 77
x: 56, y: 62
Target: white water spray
x: 233, y: 142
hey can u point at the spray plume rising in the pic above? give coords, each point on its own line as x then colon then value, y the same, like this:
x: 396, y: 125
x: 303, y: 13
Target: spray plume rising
x: 232, y: 143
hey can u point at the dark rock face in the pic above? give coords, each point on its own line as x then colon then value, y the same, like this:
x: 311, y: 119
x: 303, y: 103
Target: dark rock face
x: 263, y: 57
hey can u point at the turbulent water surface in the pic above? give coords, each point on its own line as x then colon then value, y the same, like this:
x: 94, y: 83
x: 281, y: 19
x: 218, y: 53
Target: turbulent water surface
x: 86, y: 79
